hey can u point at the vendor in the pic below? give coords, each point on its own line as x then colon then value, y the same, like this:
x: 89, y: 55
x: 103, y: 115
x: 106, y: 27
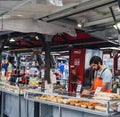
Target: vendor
x: 102, y: 76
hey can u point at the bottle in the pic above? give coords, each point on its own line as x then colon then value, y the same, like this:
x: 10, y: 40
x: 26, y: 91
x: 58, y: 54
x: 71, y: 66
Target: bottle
x: 118, y: 88
x: 114, y: 88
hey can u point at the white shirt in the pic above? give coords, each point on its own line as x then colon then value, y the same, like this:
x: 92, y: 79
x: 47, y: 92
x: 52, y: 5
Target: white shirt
x: 9, y: 69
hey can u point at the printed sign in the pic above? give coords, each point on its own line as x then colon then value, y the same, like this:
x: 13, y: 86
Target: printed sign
x: 97, y: 90
x: 78, y: 88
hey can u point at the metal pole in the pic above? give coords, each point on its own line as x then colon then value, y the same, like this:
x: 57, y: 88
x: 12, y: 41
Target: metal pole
x: 36, y: 109
x: 47, y: 47
x: 47, y: 62
x: 27, y: 107
x: 2, y: 104
x: 115, y: 21
x: 19, y: 104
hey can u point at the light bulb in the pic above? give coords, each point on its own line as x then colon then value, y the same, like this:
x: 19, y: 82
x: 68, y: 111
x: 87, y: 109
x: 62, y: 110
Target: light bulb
x: 79, y: 25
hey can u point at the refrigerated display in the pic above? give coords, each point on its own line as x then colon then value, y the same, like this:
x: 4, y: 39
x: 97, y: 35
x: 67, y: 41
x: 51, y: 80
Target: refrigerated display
x: 82, y: 105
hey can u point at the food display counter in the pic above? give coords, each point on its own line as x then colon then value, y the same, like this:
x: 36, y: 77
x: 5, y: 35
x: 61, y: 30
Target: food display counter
x: 7, y: 91
x: 62, y: 106
x: 13, y: 102
x: 23, y: 102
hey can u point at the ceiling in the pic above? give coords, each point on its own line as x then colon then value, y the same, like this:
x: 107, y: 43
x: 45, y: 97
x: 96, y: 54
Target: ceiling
x: 96, y: 16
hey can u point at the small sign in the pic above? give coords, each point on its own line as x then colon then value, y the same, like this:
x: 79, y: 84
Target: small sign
x: 77, y: 95
x: 77, y: 61
x: 98, y: 89
x: 25, y: 94
x: 49, y: 88
x: 79, y: 88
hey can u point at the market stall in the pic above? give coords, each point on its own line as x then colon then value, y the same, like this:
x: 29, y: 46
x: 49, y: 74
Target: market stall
x: 14, y: 104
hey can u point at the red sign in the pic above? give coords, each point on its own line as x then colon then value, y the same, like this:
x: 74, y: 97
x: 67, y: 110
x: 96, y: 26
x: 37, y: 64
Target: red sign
x: 77, y: 60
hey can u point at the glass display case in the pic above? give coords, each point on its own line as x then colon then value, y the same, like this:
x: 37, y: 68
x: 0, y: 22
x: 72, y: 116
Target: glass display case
x: 13, y: 89
x: 86, y: 105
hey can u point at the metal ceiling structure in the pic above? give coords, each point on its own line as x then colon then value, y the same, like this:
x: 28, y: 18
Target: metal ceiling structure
x: 14, y: 41
x: 97, y: 17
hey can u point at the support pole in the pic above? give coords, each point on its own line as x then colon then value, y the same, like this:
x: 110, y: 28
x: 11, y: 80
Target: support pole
x: 48, y: 39
x: 47, y: 62
x: 36, y: 108
x: 115, y: 63
x: 115, y: 21
x: 116, y: 56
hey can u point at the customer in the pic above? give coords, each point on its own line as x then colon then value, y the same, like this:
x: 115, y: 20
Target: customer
x: 5, y: 66
x: 10, y: 68
x: 102, y: 76
x: 61, y: 67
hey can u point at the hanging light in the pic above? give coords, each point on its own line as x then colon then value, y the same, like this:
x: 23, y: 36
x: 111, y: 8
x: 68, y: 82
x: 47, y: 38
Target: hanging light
x: 117, y: 25
x: 81, y: 22
x: 37, y: 37
x: 12, y: 40
x: 79, y: 25
x: 6, y: 47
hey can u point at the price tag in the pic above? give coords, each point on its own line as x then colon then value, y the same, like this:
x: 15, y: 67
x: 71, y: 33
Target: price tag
x: 97, y: 90
x: 79, y: 88
x: 25, y: 94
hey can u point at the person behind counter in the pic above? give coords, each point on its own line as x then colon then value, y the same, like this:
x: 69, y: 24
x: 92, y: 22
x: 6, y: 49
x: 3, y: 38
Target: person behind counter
x: 102, y: 76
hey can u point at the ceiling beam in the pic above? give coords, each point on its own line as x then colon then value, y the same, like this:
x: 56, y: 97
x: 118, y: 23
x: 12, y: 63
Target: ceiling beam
x: 81, y: 44
x: 80, y: 9
x: 101, y: 21
x: 73, y: 24
x: 13, y: 8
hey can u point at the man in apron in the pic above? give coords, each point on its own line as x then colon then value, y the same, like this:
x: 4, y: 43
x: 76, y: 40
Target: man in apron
x: 103, y: 76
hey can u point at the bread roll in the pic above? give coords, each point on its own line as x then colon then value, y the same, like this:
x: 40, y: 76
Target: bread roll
x: 84, y: 106
x: 78, y: 104
x: 106, y: 94
x: 101, y: 108
x: 102, y: 98
x: 91, y: 107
